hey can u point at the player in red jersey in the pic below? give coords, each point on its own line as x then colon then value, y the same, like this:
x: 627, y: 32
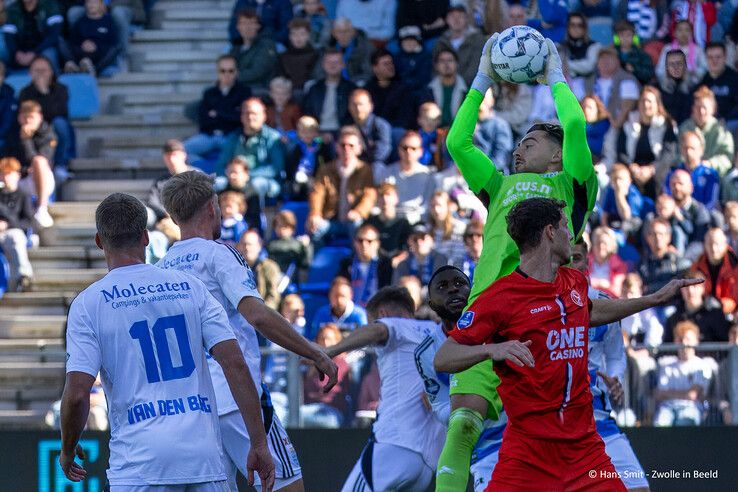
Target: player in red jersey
x: 536, y: 319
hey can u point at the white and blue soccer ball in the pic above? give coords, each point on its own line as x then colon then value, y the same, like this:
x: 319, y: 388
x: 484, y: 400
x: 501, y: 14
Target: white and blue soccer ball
x: 520, y: 54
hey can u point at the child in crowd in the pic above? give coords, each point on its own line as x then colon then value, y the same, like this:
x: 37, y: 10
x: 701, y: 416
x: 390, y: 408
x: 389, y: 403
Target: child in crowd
x: 413, y: 64
x: 304, y: 158
x: 16, y: 216
x: 299, y: 59
x: 320, y: 24
x: 233, y: 224
x: 292, y: 254
x: 239, y: 179
x: 433, y: 137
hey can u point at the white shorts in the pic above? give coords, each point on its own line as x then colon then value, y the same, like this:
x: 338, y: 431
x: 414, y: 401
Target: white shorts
x: 221, y: 486
x: 618, y: 448
x: 384, y: 467
x: 482, y: 471
x: 236, y: 446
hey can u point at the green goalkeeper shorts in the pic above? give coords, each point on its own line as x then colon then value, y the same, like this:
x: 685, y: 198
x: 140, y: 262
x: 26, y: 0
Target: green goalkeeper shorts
x: 479, y: 380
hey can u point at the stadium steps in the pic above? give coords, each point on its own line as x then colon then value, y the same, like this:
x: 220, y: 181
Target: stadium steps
x: 70, y: 234
x: 46, y: 326
x: 25, y: 419
x: 71, y: 257
x: 30, y: 303
x: 72, y: 212
x: 173, y: 103
x: 64, y: 279
x: 89, y: 190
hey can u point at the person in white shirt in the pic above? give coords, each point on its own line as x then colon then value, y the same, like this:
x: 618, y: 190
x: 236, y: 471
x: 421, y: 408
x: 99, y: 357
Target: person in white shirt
x: 190, y: 200
x: 147, y: 332
x: 406, y: 437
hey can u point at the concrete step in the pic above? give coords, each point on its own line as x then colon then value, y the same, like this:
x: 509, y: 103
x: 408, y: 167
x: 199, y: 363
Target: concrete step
x: 172, y: 66
x: 195, y: 10
x: 95, y: 190
x: 73, y: 234
x: 22, y: 419
x: 169, y: 35
x: 73, y: 211
x: 181, y: 56
x: 67, y: 257
x: 114, y: 165
x: 143, y: 104
x: 218, y: 25
x: 47, y: 303
x: 32, y: 350
x: 55, y: 279
x: 32, y: 326
x: 214, y: 46
x: 155, y: 82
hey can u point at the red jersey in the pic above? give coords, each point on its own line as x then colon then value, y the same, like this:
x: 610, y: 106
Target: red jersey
x: 551, y: 400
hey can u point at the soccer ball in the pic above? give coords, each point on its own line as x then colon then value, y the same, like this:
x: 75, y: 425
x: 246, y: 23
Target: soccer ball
x: 520, y: 54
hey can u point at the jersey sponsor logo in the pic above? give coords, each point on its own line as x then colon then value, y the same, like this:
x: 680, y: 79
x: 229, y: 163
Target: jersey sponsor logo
x: 524, y: 190
x: 131, y: 290
x: 541, y: 309
x: 566, y: 343
x: 178, y: 261
x: 576, y: 298
x: 466, y: 320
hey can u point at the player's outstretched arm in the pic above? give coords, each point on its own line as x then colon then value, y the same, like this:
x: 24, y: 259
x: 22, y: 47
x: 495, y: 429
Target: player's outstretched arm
x: 75, y: 408
x: 372, y: 334
x: 455, y: 357
x: 474, y: 164
x: 274, y: 327
x: 229, y: 356
x: 605, y: 311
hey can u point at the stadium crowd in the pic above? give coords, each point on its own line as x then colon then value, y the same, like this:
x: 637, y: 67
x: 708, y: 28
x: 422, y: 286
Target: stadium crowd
x: 326, y: 127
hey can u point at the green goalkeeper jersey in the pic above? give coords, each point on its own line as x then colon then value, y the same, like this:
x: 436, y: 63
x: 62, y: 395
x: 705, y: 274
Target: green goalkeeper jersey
x: 576, y: 184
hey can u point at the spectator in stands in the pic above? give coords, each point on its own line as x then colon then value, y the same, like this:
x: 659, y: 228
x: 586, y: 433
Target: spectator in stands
x: 493, y: 134
x: 675, y: 86
x: 375, y: 17
x: 422, y: 258
x: 394, y: 101
x: 606, y: 269
x: 232, y: 224
x: 33, y: 143
x: 598, y: 125
x: 219, y: 111
x: 428, y: 14
x: 282, y: 111
x: 447, y: 230
x: 414, y: 181
x: 632, y: 58
x: 516, y: 15
x: 266, y: 271
x: 53, y: 97
x: 731, y: 222
x: 473, y: 241
x: 327, y: 99
x: 701, y: 309
x: 376, y: 132
x: 367, y: 269
x: 94, y: 42
x: 722, y: 80
x: 319, y: 22
x: 683, y: 381
x: 412, y: 285
x: 647, y: 142
x: 617, y: 88
x: 256, y: 55
x: 623, y: 206
x: 393, y: 229
x: 643, y: 327
x: 299, y: 60
x: 705, y: 179
x: 16, y: 217
x: 548, y: 17
x: 355, y: 50
x: 8, y: 108
x: 260, y: 144
x: 174, y: 155
x: 701, y: 16
x: 434, y: 137
x: 122, y: 13
x: 289, y: 252
x: 693, y: 217
x: 238, y: 179
x: 580, y: 51
x: 33, y: 28
x: 513, y: 103
x: 666, y: 208
x: 462, y: 38
x: 414, y: 64
x: 273, y: 16
x: 321, y: 409
x: 343, y: 193
x: 448, y: 86
x: 340, y: 310
x: 719, y: 145
x: 660, y: 263
x: 719, y: 265
x: 695, y: 55
x: 308, y: 153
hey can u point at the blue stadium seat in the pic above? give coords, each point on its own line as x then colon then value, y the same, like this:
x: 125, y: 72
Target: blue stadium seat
x: 18, y: 81
x: 323, y: 268
x: 300, y: 209
x: 84, y: 101
x: 4, y: 274
x: 312, y: 302
x: 600, y: 30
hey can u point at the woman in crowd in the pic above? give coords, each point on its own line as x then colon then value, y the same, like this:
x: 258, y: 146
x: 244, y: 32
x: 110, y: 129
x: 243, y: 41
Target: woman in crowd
x: 447, y: 231
x: 606, y: 269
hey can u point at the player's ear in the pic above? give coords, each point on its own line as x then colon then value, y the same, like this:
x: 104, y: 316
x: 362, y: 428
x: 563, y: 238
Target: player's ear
x: 98, y: 241
x: 557, y: 156
x: 145, y: 238
x: 550, y: 232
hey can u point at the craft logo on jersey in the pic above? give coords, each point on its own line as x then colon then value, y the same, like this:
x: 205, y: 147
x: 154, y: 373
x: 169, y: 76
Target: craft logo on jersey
x: 541, y: 309
x: 576, y: 298
x: 466, y: 320
x: 566, y: 343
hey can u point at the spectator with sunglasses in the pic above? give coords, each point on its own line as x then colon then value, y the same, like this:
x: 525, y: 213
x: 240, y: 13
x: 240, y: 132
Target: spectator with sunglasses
x: 368, y: 269
x: 473, y: 241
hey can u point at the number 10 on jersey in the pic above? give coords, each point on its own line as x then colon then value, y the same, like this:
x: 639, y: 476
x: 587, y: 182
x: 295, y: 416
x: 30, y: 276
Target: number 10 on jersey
x: 140, y: 331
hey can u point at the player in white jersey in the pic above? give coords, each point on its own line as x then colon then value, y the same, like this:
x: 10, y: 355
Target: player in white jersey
x: 406, y: 438
x: 146, y: 331
x: 607, y: 365
x: 448, y: 292
x: 193, y: 205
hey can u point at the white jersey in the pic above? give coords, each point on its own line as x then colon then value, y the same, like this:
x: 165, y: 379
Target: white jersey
x: 606, y: 355
x: 146, y: 331
x: 225, y: 274
x: 401, y: 413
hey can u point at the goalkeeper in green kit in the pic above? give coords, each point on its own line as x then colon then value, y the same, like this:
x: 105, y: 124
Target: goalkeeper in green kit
x: 550, y: 161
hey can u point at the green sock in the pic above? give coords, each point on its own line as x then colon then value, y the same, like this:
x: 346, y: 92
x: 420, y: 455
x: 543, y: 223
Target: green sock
x: 464, y: 428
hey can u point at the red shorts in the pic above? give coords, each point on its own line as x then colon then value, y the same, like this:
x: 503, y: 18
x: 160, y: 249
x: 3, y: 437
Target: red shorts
x: 540, y: 465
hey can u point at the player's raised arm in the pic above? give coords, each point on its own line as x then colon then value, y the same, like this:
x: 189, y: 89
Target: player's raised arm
x: 371, y: 334
x: 576, y: 156
x: 474, y: 164
x: 454, y: 357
